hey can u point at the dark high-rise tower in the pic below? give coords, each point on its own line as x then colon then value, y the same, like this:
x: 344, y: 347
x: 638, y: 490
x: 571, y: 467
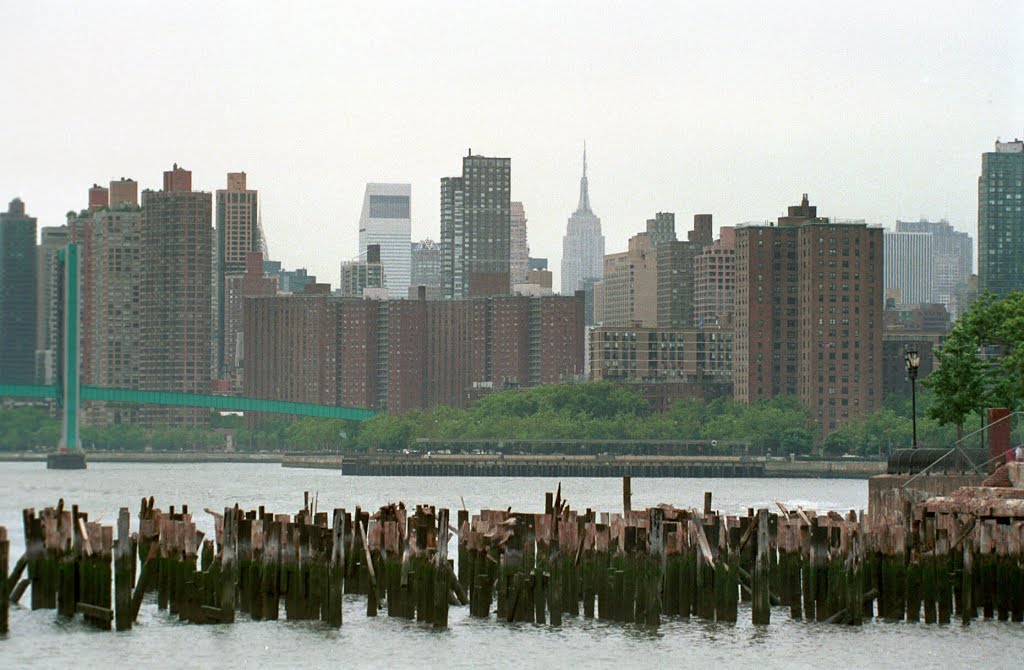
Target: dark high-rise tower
x: 676, y: 262
x: 475, y: 228
x: 177, y: 253
x: 1001, y: 219
x: 17, y: 295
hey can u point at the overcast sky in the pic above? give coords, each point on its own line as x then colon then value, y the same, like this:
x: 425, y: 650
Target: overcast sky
x: 878, y: 110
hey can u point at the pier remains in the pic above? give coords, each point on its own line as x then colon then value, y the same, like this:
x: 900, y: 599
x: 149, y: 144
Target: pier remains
x: 956, y: 557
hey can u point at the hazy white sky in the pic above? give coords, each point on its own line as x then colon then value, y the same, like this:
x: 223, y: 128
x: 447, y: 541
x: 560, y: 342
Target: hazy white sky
x: 878, y: 110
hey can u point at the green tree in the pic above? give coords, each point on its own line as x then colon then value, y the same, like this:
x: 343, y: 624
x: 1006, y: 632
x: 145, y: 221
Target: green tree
x: 26, y: 428
x: 958, y: 384
x: 387, y: 433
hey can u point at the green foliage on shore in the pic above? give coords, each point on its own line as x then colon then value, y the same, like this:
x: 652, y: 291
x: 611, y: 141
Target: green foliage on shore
x: 891, y: 428
x: 595, y: 411
x: 25, y: 428
x: 589, y: 411
x: 981, y: 363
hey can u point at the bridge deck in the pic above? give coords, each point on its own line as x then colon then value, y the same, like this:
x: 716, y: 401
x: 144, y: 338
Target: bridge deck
x: 221, y: 402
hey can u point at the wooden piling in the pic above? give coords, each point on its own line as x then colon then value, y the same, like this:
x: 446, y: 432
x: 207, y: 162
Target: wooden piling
x: 654, y: 565
x: 228, y: 565
x: 336, y: 584
x: 124, y: 562
x: 943, y: 579
x: 441, y: 583
x: 270, y: 570
x: 760, y: 605
x: 5, y: 581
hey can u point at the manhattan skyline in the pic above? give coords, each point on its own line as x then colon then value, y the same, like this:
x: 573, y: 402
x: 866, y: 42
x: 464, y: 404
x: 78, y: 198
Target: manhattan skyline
x: 880, y: 113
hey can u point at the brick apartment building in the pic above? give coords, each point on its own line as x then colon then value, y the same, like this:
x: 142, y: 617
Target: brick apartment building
x: 809, y: 315
x: 398, y: 355
x: 109, y: 235
x: 664, y: 364
x: 176, y: 295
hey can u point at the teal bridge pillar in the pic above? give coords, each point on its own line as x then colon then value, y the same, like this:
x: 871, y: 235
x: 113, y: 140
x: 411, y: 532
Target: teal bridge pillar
x: 70, y: 384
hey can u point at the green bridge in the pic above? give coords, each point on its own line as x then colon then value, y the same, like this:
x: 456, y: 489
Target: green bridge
x: 219, y: 402
x: 69, y: 392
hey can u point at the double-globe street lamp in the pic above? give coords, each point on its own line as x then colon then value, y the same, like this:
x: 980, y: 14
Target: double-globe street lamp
x: 913, y: 362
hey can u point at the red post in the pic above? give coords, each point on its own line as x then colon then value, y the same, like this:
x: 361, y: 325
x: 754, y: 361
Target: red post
x: 998, y: 435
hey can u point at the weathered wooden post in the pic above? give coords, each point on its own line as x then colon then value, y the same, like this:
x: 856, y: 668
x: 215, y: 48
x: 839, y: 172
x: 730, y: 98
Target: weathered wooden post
x: 967, y: 607
x: 371, y: 593
x: 63, y: 549
x: 124, y: 562
x: 227, y: 566
x: 5, y: 585
x: 270, y: 578
x: 336, y: 587
x: 441, y: 584
x: 462, y: 522
x: 655, y: 562
x: 760, y: 603
x: 627, y: 495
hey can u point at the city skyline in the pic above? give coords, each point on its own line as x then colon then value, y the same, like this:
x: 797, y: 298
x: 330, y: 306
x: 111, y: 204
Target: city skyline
x: 689, y: 129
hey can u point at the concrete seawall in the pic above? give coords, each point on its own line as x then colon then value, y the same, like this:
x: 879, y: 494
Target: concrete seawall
x: 468, y: 465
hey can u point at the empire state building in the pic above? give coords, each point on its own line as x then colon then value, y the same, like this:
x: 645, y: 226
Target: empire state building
x: 583, y: 244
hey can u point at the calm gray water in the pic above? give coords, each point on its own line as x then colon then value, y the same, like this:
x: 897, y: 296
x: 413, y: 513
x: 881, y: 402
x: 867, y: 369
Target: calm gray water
x: 39, y: 639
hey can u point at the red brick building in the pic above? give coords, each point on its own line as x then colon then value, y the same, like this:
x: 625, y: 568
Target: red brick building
x: 400, y: 355
x: 809, y: 315
x: 176, y: 240
x: 664, y: 364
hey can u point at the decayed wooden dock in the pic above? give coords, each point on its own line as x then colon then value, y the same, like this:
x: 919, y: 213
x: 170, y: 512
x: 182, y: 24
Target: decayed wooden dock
x: 952, y: 558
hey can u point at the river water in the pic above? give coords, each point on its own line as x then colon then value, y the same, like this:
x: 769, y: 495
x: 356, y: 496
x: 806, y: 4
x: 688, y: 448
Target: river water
x: 40, y: 639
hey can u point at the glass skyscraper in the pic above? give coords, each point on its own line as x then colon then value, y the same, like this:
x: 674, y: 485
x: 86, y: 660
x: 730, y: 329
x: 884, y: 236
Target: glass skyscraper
x: 1001, y: 219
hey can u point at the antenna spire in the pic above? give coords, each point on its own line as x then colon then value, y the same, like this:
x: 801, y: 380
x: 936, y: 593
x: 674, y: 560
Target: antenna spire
x: 584, y: 205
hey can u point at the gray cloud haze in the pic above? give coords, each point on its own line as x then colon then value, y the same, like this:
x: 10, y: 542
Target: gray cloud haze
x: 879, y: 112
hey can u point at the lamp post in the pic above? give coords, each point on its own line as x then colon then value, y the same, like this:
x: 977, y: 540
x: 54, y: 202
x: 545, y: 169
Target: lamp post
x: 913, y: 362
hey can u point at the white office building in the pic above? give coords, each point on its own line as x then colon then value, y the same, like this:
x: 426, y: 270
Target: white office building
x: 386, y: 221
x: 908, y: 267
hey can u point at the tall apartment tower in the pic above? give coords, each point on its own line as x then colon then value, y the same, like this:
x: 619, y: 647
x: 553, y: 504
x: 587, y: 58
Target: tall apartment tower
x: 476, y: 228
x: 177, y: 252
x: 583, y: 243
x: 52, y: 239
x: 110, y: 286
x: 17, y: 295
x: 1001, y: 219
x: 112, y: 312
x: 676, y: 260
x: 908, y: 268
x: 237, y: 237
x: 386, y: 221
x: 254, y: 282
x: 715, y: 282
x: 628, y: 292
x: 809, y: 315
x: 519, y: 249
